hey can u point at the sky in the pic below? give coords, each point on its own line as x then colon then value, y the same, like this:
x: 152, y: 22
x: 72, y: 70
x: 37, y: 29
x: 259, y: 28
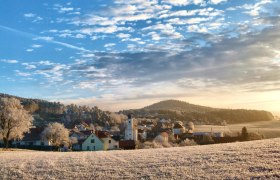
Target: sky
x: 128, y: 54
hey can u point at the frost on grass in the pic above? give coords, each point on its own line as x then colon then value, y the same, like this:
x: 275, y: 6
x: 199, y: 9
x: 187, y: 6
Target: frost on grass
x: 243, y: 160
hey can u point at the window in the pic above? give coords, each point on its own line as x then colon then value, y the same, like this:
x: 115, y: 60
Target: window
x: 128, y: 121
x: 92, y: 141
x: 88, y: 148
x: 109, y: 141
x: 94, y: 148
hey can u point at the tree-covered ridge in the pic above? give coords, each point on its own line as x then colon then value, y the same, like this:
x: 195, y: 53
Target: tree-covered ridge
x: 45, y: 112
x: 176, y: 105
x: 179, y: 110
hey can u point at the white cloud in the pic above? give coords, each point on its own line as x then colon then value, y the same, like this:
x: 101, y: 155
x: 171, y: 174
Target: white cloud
x: 109, y: 45
x: 29, y: 66
x: 33, y: 17
x: 29, y: 15
x: 217, y: 1
x: 197, y: 28
x: 24, y: 74
x: 45, y: 38
x: 10, y: 61
x: 122, y: 35
x: 185, y: 2
x: 36, y: 46
x: 29, y: 50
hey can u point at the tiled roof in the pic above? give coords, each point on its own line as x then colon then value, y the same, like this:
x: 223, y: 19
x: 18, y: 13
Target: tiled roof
x: 178, y: 126
x: 102, y: 134
x: 33, y: 135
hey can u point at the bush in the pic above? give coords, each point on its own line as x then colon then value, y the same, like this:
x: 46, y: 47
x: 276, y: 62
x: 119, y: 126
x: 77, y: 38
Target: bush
x: 255, y: 136
x: 188, y: 142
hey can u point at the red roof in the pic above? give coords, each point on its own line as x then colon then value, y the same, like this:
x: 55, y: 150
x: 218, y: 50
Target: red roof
x: 102, y: 134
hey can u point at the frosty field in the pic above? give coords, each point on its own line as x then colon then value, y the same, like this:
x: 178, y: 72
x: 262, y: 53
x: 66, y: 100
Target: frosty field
x: 270, y: 129
x: 220, y: 161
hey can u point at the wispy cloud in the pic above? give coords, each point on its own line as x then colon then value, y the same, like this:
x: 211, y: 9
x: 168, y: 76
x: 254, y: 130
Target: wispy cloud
x: 11, y: 61
x: 46, y: 39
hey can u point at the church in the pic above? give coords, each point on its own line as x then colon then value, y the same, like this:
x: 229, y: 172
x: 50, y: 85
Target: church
x: 131, y: 130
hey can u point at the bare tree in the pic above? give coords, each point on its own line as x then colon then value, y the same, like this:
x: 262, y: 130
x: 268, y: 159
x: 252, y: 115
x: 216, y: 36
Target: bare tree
x: 57, y: 134
x: 14, y: 120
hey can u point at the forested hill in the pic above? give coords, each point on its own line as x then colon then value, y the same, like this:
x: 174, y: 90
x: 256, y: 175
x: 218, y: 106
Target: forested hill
x: 45, y: 112
x: 175, y: 105
x: 179, y: 110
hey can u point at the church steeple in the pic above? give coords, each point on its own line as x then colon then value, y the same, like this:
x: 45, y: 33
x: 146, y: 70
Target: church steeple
x: 131, y: 132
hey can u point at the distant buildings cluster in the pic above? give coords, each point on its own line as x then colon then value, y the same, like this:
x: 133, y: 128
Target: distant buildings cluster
x: 83, y: 137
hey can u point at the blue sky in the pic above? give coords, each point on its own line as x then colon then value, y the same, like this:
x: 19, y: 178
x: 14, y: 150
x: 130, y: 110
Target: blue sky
x: 127, y: 54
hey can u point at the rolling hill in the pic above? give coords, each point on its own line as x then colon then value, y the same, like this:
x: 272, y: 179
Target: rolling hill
x: 241, y: 160
x: 175, y: 105
x: 183, y: 111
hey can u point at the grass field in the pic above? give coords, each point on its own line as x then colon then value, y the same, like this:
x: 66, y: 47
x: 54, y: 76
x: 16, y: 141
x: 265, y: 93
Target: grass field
x: 242, y: 160
x: 270, y: 129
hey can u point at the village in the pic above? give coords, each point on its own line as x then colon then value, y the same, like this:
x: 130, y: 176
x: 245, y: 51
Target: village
x: 137, y: 134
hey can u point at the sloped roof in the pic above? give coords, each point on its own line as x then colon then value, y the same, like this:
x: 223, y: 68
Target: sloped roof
x: 102, y: 134
x: 164, y: 134
x: 33, y: 135
x: 87, y: 132
x: 178, y: 126
x: 81, y: 133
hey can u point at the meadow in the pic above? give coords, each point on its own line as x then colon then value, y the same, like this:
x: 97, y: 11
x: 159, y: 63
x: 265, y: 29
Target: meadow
x: 270, y: 129
x: 242, y: 160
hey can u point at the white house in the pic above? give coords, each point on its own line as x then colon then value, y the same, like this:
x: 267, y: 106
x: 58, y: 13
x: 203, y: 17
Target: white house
x: 178, y: 129
x: 33, y: 138
x: 99, y: 141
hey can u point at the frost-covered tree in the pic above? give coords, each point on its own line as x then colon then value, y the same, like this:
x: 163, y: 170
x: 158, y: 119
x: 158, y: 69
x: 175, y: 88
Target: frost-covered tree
x: 191, y: 126
x: 14, y: 120
x: 57, y: 134
x: 117, y: 118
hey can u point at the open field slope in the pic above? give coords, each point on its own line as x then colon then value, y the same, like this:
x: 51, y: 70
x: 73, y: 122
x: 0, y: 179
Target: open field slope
x: 242, y: 160
x: 270, y: 129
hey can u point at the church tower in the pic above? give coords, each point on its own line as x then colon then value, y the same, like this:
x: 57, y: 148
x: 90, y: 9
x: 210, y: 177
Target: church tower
x: 131, y: 132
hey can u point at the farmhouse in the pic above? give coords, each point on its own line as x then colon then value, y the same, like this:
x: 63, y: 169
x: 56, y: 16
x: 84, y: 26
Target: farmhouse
x: 33, y: 138
x: 101, y: 140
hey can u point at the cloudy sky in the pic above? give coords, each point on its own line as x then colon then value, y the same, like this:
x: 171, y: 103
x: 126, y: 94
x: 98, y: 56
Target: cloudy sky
x: 127, y: 54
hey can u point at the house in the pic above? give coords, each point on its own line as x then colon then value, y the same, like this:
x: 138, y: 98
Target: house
x: 33, y: 138
x: 82, y: 126
x: 80, y: 135
x: 78, y: 145
x: 178, y: 129
x: 142, y: 134
x: 98, y: 141
x: 162, y: 138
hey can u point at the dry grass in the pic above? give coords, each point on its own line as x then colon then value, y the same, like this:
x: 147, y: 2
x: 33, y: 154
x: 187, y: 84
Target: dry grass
x: 221, y: 161
x: 270, y: 129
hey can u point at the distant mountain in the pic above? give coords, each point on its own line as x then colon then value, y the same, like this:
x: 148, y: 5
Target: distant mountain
x: 183, y: 111
x: 176, y: 105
